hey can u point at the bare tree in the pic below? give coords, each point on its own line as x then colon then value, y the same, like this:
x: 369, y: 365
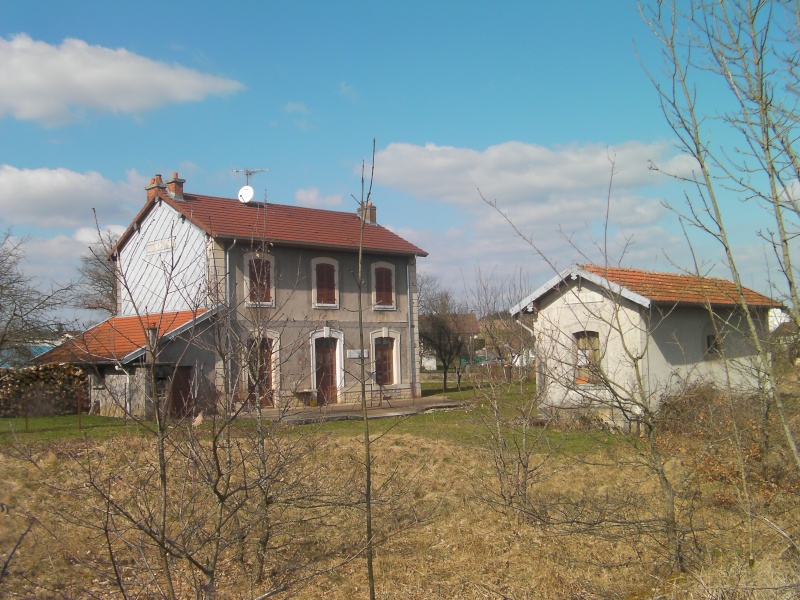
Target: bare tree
x: 445, y: 328
x: 225, y: 488
x: 743, y: 52
x: 504, y: 338
x: 27, y: 311
x: 97, y: 288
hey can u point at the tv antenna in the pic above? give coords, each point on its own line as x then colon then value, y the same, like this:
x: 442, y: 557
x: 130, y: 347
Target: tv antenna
x: 246, y: 193
x: 248, y: 173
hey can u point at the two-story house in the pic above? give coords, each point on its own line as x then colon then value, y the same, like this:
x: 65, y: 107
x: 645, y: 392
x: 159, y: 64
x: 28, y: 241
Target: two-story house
x: 251, y: 302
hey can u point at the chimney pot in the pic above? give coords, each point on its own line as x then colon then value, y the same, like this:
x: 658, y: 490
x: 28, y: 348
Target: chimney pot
x: 175, y: 187
x: 369, y: 213
x: 156, y: 184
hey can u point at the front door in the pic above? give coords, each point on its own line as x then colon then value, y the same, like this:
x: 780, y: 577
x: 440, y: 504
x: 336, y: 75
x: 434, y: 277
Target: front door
x: 325, y: 355
x: 181, y: 399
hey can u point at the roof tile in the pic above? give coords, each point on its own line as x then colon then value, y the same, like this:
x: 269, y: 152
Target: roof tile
x: 680, y: 289
x: 114, y: 339
x: 283, y: 224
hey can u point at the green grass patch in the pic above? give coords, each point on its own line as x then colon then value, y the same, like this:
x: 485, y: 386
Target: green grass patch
x: 63, y: 427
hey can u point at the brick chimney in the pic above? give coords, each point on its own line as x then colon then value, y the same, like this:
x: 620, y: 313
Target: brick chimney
x: 175, y: 187
x: 369, y: 213
x: 155, y: 184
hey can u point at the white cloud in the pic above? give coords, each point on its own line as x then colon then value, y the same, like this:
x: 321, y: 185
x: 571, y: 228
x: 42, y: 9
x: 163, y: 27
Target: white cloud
x: 53, y: 84
x: 516, y: 172
x: 557, y: 198
x: 348, y: 91
x: 60, y: 198
x: 311, y: 197
x: 296, y: 108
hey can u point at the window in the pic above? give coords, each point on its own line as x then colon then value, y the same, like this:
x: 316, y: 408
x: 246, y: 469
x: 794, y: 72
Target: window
x: 383, y: 297
x: 259, y: 371
x: 384, y: 360
x: 325, y: 291
x: 258, y: 279
x: 587, y: 364
x: 713, y: 346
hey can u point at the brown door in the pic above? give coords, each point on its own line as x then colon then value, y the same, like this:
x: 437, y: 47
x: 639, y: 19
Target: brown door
x: 181, y: 399
x: 325, y: 351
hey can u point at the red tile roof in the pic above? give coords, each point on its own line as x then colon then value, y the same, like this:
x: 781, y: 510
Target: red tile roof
x: 282, y: 224
x: 114, y: 339
x: 680, y: 289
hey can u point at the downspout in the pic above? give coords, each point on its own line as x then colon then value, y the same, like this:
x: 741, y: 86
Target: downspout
x: 228, y: 296
x: 412, y: 365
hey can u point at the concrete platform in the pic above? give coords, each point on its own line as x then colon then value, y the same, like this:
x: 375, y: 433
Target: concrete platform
x: 352, y: 412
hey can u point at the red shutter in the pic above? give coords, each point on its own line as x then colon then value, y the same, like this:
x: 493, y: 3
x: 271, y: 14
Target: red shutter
x: 326, y: 285
x: 260, y: 284
x: 383, y: 287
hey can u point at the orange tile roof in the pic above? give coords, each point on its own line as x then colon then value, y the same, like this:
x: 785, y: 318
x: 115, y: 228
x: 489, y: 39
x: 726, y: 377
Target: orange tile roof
x: 117, y: 337
x: 680, y: 289
x: 281, y: 224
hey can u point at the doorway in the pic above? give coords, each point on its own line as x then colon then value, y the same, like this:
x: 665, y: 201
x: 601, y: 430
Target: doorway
x: 325, y: 359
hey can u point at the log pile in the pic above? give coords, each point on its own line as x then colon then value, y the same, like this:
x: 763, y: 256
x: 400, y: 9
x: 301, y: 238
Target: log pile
x: 43, y: 390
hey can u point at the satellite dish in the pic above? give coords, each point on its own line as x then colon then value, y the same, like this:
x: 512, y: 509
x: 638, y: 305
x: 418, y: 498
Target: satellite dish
x: 246, y: 194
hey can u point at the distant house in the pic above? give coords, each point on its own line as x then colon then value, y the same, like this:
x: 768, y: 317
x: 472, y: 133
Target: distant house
x: 252, y: 302
x: 605, y: 335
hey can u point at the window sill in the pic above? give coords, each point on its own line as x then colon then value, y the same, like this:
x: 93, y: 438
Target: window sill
x: 326, y: 306
x: 383, y: 307
x: 260, y: 304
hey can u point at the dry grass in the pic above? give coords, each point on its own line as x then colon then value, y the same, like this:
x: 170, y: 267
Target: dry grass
x: 437, y: 538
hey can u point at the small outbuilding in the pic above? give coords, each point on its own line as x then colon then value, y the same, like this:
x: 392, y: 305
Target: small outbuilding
x: 620, y: 339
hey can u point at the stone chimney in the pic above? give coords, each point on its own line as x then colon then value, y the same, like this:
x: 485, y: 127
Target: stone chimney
x: 155, y: 184
x: 175, y: 187
x: 369, y: 213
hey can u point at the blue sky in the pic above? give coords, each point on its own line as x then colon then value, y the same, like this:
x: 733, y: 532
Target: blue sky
x: 524, y: 103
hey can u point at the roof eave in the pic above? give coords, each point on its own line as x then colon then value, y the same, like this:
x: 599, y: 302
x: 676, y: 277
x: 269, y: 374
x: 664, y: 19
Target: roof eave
x: 170, y: 335
x: 312, y: 246
x: 573, y: 272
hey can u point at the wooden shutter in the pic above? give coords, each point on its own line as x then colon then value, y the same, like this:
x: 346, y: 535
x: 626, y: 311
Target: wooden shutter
x: 383, y: 287
x: 260, y: 281
x: 326, y: 283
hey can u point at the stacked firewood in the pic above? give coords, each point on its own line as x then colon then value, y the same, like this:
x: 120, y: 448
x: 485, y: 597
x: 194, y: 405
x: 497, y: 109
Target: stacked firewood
x: 43, y: 390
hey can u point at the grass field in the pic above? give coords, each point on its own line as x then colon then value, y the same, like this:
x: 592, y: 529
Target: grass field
x: 73, y: 499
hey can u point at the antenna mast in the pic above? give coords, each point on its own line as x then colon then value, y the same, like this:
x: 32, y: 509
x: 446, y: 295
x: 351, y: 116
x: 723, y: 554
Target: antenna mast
x: 249, y: 172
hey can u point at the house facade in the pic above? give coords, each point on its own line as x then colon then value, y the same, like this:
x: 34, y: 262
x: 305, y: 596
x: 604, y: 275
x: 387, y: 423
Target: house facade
x: 620, y: 340
x: 264, y: 302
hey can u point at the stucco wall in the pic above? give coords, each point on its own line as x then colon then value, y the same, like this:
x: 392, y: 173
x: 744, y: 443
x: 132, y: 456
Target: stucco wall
x: 292, y: 321
x: 578, y: 309
x: 645, y: 352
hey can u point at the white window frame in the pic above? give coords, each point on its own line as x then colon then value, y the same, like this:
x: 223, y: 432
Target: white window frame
x: 327, y: 332
x: 375, y: 305
x: 261, y: 256
x: 329, y: 261
x: 395, y: 335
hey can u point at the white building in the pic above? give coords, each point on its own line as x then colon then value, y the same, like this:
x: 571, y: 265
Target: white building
x: 621, y: 339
